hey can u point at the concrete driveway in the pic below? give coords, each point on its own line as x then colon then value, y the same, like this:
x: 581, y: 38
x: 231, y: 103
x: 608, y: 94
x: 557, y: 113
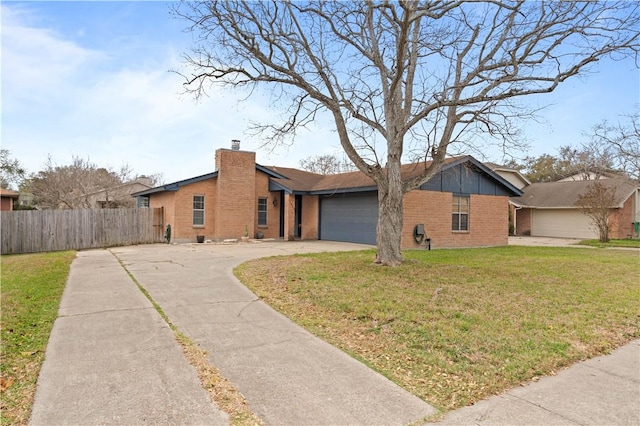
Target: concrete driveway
x: 111, y: 358
x: 107, y: 359
x: 544, y: 241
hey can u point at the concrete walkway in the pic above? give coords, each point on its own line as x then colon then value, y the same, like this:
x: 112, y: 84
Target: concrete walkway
x: 600, y: 391
x: 111, y: 359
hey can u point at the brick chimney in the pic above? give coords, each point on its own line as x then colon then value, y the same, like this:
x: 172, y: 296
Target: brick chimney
x: 236, y: 198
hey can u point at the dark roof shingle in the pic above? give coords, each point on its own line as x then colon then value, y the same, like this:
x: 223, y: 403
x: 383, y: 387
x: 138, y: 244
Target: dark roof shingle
x: 565, y: 194
x: 300, y: 180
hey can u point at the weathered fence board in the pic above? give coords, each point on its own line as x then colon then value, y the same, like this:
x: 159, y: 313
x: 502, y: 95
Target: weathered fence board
x: 32, y: 231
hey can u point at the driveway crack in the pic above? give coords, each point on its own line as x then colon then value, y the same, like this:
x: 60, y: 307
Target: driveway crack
x: 81, y: 314
x: 247, y: 306
x: 545, y: 409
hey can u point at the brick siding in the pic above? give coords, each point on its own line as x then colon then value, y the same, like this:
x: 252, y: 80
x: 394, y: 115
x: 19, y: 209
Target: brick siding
x: 178, y: 210
x: 272, y: 230
x: 523, y: 221
x: 231, y: 204
x: 621, y: 220
x: 236, y: 205
x: 310, y: 217
x: 488, y: 220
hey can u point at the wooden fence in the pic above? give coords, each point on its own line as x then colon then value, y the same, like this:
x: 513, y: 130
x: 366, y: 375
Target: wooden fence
x: 31, y: 231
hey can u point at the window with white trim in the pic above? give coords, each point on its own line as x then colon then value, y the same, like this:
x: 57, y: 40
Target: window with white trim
x: 262, y: 211
x: 198, y: 210
x: 460, y: 213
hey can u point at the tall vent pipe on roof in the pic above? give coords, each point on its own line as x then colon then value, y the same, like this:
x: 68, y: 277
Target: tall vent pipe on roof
x: 235, y: 144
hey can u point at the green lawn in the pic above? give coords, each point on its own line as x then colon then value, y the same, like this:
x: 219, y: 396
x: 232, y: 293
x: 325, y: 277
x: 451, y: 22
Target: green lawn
x: 456, y: 326
x: 32, y: 286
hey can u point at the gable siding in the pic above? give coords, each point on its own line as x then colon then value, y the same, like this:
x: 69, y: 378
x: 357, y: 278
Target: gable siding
x: 463, y: 179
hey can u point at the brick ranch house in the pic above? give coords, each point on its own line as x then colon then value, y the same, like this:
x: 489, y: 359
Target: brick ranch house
x: 8, y: 198
x: 464, y: 205
x: 550, y: 209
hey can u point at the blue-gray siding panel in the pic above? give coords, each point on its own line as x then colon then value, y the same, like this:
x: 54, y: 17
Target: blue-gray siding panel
x: 349, y: 218
x: 462, y: 179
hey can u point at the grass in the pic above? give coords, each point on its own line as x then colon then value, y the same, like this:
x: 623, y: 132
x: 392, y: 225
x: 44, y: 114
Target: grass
x: 456, y: 326
x: 612, y: 243
x: 32, y: 286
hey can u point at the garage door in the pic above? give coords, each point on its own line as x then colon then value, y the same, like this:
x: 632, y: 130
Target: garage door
x: 564, y: 223
x: 349, y: 218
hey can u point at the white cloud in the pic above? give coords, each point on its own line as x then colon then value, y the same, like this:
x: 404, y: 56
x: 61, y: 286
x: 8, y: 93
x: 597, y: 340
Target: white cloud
x: 38, y: 66
x: 63, y: 99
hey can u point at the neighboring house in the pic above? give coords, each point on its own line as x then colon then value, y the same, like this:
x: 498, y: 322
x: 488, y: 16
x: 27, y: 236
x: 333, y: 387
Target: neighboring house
x: 589, y: 175
x: 464, y: 205
x: 513, y: 176
x: 549, y: 209
x: 7, y: 198
x: 118, y: 196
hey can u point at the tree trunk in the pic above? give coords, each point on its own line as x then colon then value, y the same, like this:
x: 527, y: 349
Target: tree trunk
x: 390, y: 215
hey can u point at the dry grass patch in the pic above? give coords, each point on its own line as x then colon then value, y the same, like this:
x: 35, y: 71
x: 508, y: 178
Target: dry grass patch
x: 455, y: 326
x: 221, y: 391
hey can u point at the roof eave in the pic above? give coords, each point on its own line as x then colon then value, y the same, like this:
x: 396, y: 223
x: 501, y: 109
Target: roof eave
x: 174, y: 186
x: 344, y: 190
x: 270, y: 172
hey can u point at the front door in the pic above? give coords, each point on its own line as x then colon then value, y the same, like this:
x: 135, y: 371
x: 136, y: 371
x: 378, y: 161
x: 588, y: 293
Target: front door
x: 298, y: 217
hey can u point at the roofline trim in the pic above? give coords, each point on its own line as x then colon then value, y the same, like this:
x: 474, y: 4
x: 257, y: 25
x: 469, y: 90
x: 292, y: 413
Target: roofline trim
x: 277, y: 186
x: 344, y: 190
x: 174, y: 186
x: 270, y: 172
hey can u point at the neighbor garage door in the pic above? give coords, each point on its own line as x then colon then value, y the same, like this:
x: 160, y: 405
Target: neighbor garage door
x: 567, y: 223
x: 349, y: 218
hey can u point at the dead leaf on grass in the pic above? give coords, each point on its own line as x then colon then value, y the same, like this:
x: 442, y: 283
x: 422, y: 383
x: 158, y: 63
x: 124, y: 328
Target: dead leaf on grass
x: 5, y: 383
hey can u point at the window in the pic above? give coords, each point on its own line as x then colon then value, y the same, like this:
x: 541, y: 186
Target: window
x: 143, y: 202
x: 262, y: 211
x: 460, y: 213
x: 198, y: 210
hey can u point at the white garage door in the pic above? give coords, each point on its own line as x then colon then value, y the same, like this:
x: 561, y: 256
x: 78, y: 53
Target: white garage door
x: 564, y: 223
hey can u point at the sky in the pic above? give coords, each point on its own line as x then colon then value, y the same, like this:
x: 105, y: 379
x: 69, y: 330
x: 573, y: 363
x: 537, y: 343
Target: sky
x: 95, y: 80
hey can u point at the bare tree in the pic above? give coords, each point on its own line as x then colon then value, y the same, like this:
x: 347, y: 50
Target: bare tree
x: 622, y: 140
x: 402, y: 75
x: 75, y: 186
x: 596, y: 203
x: 326, y: 165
